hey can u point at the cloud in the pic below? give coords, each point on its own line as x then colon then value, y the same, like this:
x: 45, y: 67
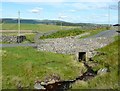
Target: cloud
x: 62, y: 16
x: 80, y: 6
x: 106, y: 6
x: 92, y: 6
x: 101, y: 5
x: 33, y: 1
x: 99, y: 16
x: 105, y: 15
x: 74, y: 10
x: 36, y: 10
x: 60, y: 1
x: 86, y: 6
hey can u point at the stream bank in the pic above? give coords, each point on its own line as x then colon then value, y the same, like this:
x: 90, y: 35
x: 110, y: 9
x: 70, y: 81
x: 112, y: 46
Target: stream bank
x: 63, y: 85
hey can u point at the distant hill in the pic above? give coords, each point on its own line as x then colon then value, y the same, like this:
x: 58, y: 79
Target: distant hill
x: 54, y: 22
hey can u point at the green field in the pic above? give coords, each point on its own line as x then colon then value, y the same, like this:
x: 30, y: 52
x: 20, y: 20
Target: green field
x: 108, y: 80
x: 25, y: 64
x: 34, y: 27
x: 64, y: 32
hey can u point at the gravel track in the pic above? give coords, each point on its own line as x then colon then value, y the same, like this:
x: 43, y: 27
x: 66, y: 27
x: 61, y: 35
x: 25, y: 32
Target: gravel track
x: 106, y: 34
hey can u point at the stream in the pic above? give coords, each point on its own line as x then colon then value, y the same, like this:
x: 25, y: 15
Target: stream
x: 66, y: 85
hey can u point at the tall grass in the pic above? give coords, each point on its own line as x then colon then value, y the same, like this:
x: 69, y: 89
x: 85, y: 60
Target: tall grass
x: 73, y: 32
x: 64, y: 33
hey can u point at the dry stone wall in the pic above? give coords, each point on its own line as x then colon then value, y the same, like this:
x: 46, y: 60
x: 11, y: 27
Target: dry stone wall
x: 12, y: 39
x: 9, y: 39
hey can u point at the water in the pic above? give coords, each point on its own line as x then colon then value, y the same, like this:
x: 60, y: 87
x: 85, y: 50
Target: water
x: 66, y: 85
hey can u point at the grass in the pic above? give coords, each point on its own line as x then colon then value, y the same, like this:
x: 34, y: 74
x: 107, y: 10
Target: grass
x: 34, y: 27
x: 30, y: 37
x: 108, y: 80
x: 64, y: 33
x: 73, y: 32
x: 25, y: 64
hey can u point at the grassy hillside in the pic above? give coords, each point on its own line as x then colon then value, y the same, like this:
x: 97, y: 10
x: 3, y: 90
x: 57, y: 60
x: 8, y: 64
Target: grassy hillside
x: 25, y: 64
x: 108, y: 80
x: 46, y: 21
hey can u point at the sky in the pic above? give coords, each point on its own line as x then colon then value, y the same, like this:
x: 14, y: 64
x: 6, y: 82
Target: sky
x: 81, y: 11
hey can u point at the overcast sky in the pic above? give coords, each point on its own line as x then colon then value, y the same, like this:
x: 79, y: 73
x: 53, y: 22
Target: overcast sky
x: 96, y: 11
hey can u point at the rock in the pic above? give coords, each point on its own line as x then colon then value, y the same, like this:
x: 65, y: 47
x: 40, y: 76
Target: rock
x: 38, y: 86
x: 102, y: 71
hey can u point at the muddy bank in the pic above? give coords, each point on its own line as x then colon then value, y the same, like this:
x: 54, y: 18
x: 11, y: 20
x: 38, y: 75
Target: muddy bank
x: 59, y: 85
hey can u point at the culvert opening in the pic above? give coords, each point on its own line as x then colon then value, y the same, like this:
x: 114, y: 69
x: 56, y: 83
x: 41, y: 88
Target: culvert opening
x: 81, y: 56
